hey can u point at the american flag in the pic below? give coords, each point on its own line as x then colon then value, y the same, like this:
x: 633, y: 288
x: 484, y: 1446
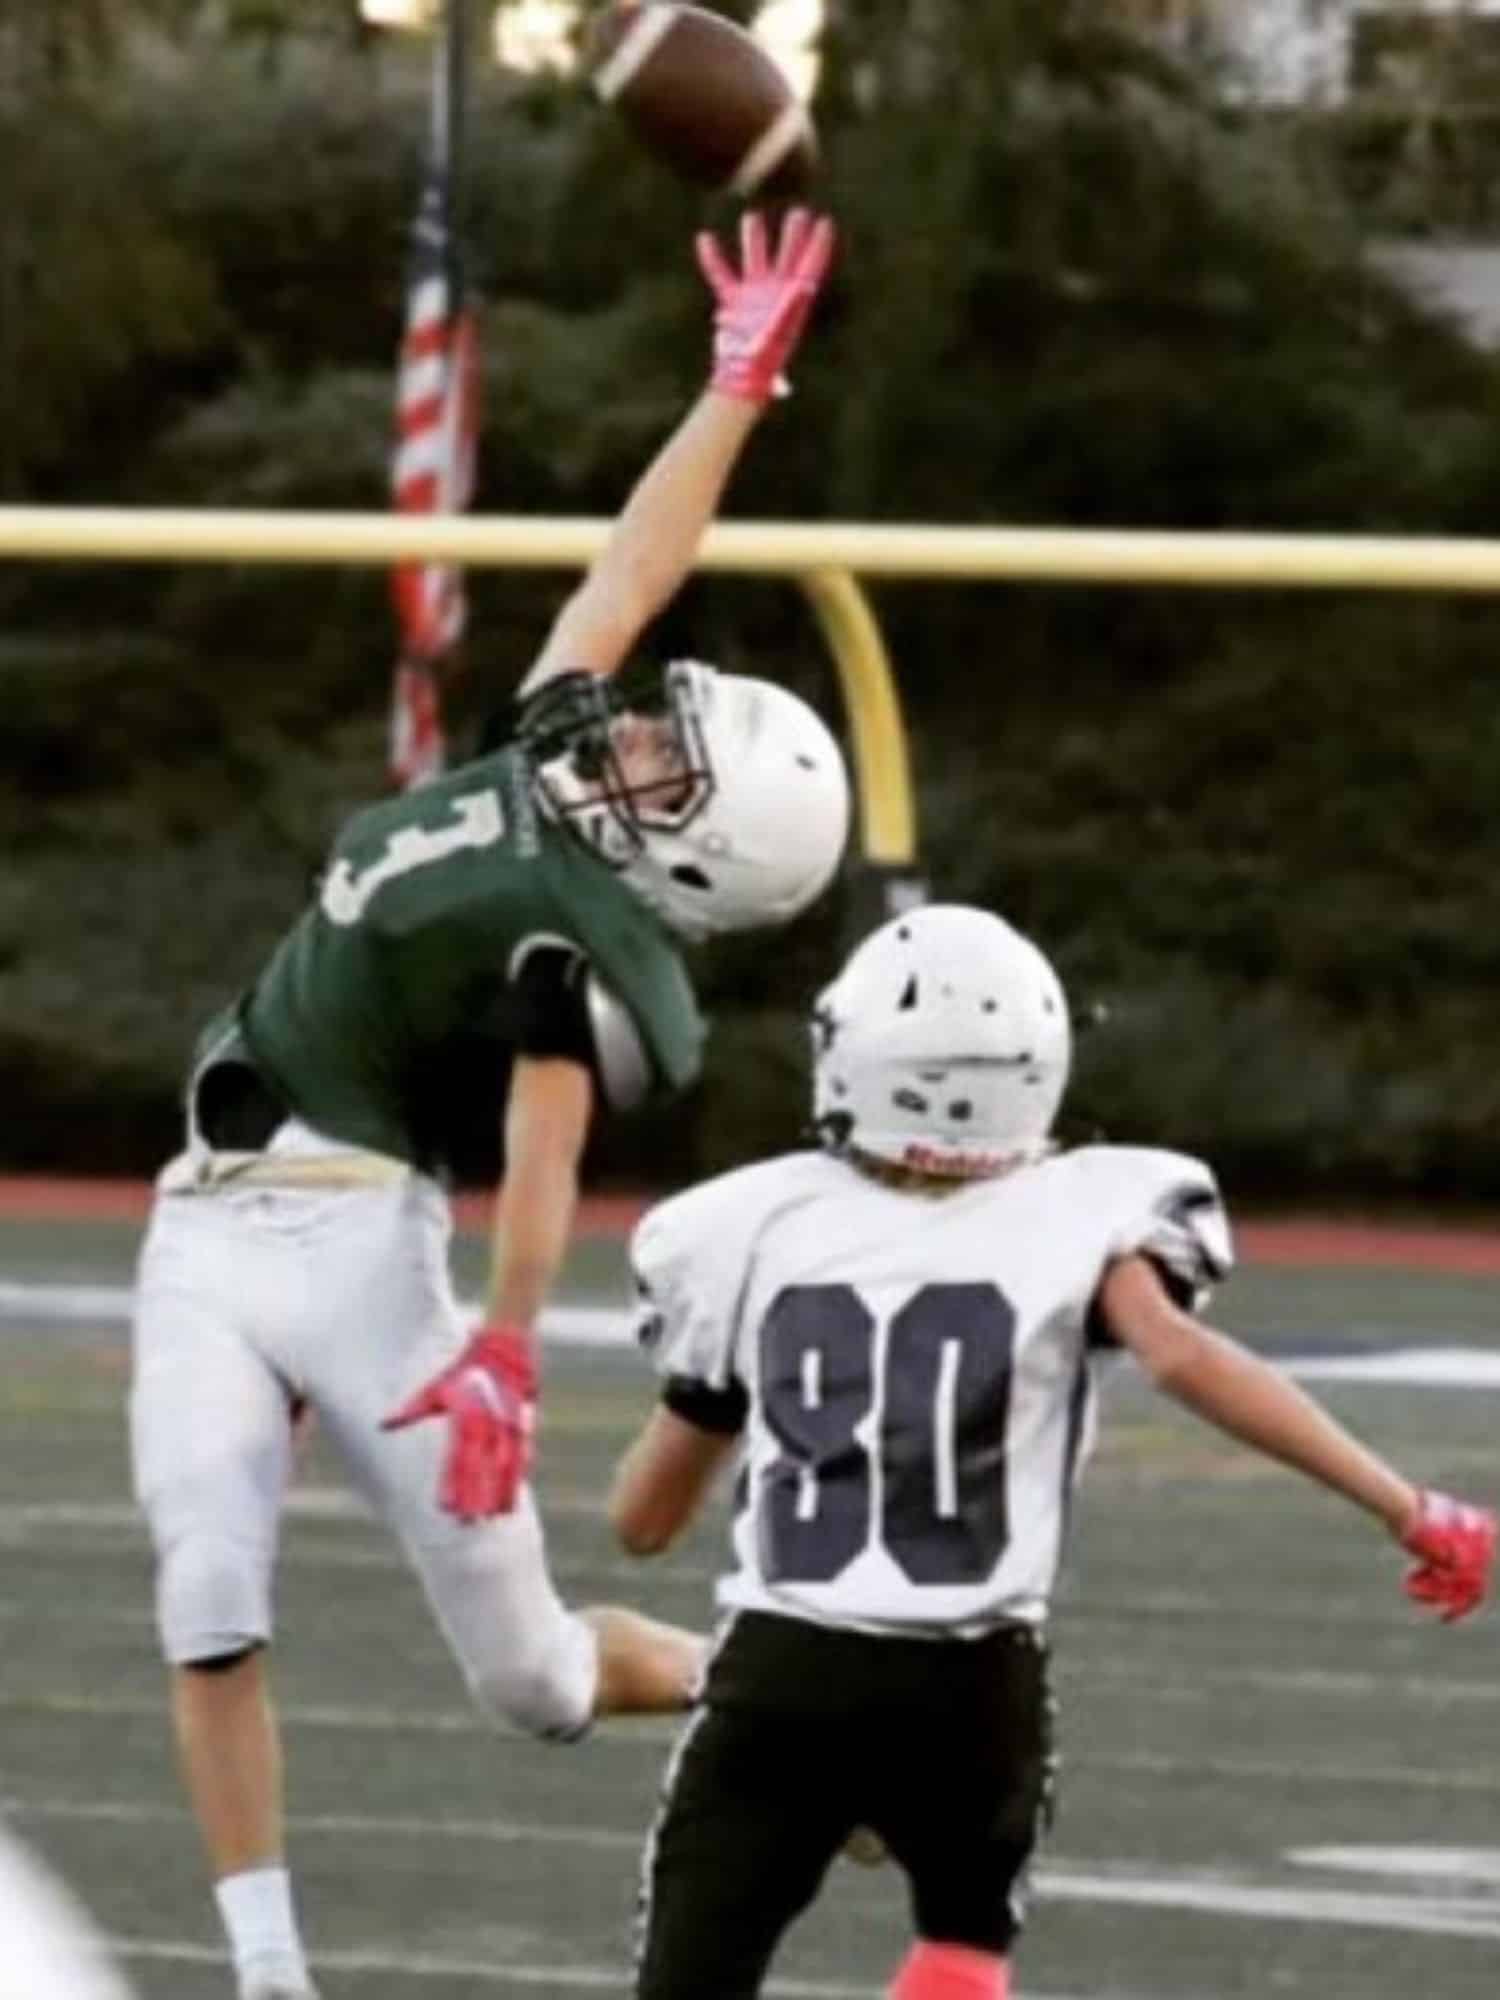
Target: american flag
x: 437, y: 423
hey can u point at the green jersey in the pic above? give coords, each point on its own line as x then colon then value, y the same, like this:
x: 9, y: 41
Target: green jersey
x: 385, y: 1005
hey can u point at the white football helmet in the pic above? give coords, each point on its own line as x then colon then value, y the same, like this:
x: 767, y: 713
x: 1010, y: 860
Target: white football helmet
x: 943, y: 1045
x: 752, y: 824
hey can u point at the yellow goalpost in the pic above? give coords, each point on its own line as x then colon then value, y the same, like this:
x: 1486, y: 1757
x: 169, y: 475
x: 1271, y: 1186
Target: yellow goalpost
x: 1229, y: 559
x: 826, y: 559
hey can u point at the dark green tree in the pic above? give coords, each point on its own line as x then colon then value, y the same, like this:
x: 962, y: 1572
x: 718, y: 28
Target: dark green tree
x: 91, y: 282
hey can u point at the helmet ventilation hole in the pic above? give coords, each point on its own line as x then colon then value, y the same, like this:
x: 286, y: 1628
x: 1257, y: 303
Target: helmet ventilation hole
x: 908, y: 998
x: 690, y: 877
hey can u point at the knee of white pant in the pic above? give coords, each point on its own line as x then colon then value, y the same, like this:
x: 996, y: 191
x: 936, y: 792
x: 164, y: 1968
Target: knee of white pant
x: 213, y: 1596
x: 542, y: 1683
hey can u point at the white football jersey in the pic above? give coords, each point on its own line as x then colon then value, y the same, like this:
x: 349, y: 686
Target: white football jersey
x: 915, y: 1370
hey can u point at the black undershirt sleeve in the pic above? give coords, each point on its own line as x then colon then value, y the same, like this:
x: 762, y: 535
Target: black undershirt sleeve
x: 706, y: 1408
x: 551, y: 1007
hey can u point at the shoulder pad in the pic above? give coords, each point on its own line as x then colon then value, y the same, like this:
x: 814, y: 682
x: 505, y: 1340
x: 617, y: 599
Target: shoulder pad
x: 620, y: 1053
x: 1165, y: 1205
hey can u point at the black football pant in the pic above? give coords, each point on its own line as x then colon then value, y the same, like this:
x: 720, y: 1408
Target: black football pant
x: 941, y: 1747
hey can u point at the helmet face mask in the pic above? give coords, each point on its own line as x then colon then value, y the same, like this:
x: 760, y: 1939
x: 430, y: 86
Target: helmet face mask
x: 943, y: 1046
x: 724, y: 802
x: 585, y: 739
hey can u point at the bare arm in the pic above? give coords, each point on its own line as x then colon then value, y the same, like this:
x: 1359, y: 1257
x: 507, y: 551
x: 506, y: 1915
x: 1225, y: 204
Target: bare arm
x: 546, y: 1125
x: 663, y: 1479
x: 760, y: 310
x: 653, y: 544
x: 1237, y: 1391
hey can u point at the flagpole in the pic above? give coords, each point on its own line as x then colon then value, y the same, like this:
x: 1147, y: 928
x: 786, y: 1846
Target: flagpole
x: 450, y: 85
x: 436, y: 415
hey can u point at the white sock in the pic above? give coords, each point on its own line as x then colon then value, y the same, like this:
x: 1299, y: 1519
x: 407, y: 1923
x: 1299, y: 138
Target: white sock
x: 260, y: 1921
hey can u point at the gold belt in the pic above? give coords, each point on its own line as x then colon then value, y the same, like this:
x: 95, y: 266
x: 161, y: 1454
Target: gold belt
x: 208, y: 1173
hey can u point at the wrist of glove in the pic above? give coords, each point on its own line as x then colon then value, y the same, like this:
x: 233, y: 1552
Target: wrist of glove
x: 1454, y: 1544
x: 738, y: 375
x: 506, y: 1356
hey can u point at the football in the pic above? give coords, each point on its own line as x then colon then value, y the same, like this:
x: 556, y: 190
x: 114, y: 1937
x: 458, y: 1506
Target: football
x: 704, y: 97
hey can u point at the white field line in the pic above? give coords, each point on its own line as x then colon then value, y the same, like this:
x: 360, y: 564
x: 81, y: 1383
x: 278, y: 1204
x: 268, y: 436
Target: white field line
x: 330, y: 1505
x: 1077, y: 1681
x: 492, y: 1971
x: 1210, y: 1895
x: 304, y: 1556
x: 1466, y: 1917
x: 1455, y: 1366
x: 1186, y: 1769
x: 1437, y: 1870
x: 110, y: 1306
x: 352, y: 1718
x: 572, y: 1978
x: 1428, y: 1912
x: 566, y: 1978
x: 98, y: 1305
x: 26, y: 1522
x: 1472, y: 1866
x: 414, y: 1826
x: 1079, y: 1677
x: 311, y: 1503
x: 361, y: 1719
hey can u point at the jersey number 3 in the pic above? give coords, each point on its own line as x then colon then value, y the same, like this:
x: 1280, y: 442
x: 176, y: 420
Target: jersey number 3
x: 938, y: 1443
x: 476, y: 821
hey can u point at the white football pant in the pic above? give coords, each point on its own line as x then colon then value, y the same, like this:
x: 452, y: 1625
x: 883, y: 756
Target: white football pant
x: 251, y: 1295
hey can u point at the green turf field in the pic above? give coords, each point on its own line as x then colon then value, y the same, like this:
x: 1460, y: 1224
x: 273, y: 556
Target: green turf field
x: 1277, y: 1779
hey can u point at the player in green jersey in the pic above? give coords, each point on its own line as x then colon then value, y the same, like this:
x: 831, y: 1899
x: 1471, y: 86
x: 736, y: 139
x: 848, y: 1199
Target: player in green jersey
x: 507, y: 935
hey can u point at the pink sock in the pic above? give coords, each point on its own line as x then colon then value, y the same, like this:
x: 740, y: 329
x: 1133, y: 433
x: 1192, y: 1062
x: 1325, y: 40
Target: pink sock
x: 951, y: 1972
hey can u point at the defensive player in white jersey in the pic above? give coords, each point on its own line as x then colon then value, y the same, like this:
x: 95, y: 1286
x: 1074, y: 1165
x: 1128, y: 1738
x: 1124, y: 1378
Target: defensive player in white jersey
x: 896, y: 1332
x: 501, y: 947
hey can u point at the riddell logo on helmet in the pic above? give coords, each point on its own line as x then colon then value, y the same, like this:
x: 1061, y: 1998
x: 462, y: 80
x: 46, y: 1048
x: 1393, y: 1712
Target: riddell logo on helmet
x: 924, y: 1159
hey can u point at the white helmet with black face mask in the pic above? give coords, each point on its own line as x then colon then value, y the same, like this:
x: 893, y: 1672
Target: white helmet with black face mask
x: 745, y: 827
x: 943, y: 1045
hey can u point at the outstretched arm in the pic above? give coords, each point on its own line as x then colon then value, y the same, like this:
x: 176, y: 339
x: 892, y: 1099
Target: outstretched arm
x: 760, y: 311
x: 1233, y: 1388
x: 1236, y: 1390
x: 652, y: 545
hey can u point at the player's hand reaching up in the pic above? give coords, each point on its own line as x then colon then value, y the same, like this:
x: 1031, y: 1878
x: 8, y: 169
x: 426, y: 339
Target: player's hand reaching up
x: 1454, y: 1544
x: 488, y: 1396
x: 762, y: 307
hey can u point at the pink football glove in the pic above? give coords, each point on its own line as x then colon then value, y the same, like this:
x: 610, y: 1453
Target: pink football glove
x: 1455, y: 1547
x: 488, y: 1396
x: 763, y: 307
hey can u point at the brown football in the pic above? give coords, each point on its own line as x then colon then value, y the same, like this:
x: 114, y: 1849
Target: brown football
x: 704, y: 96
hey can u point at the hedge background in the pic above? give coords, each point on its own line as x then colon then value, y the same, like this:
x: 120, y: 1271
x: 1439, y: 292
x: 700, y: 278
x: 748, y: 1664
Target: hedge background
x: 1255, y: 831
